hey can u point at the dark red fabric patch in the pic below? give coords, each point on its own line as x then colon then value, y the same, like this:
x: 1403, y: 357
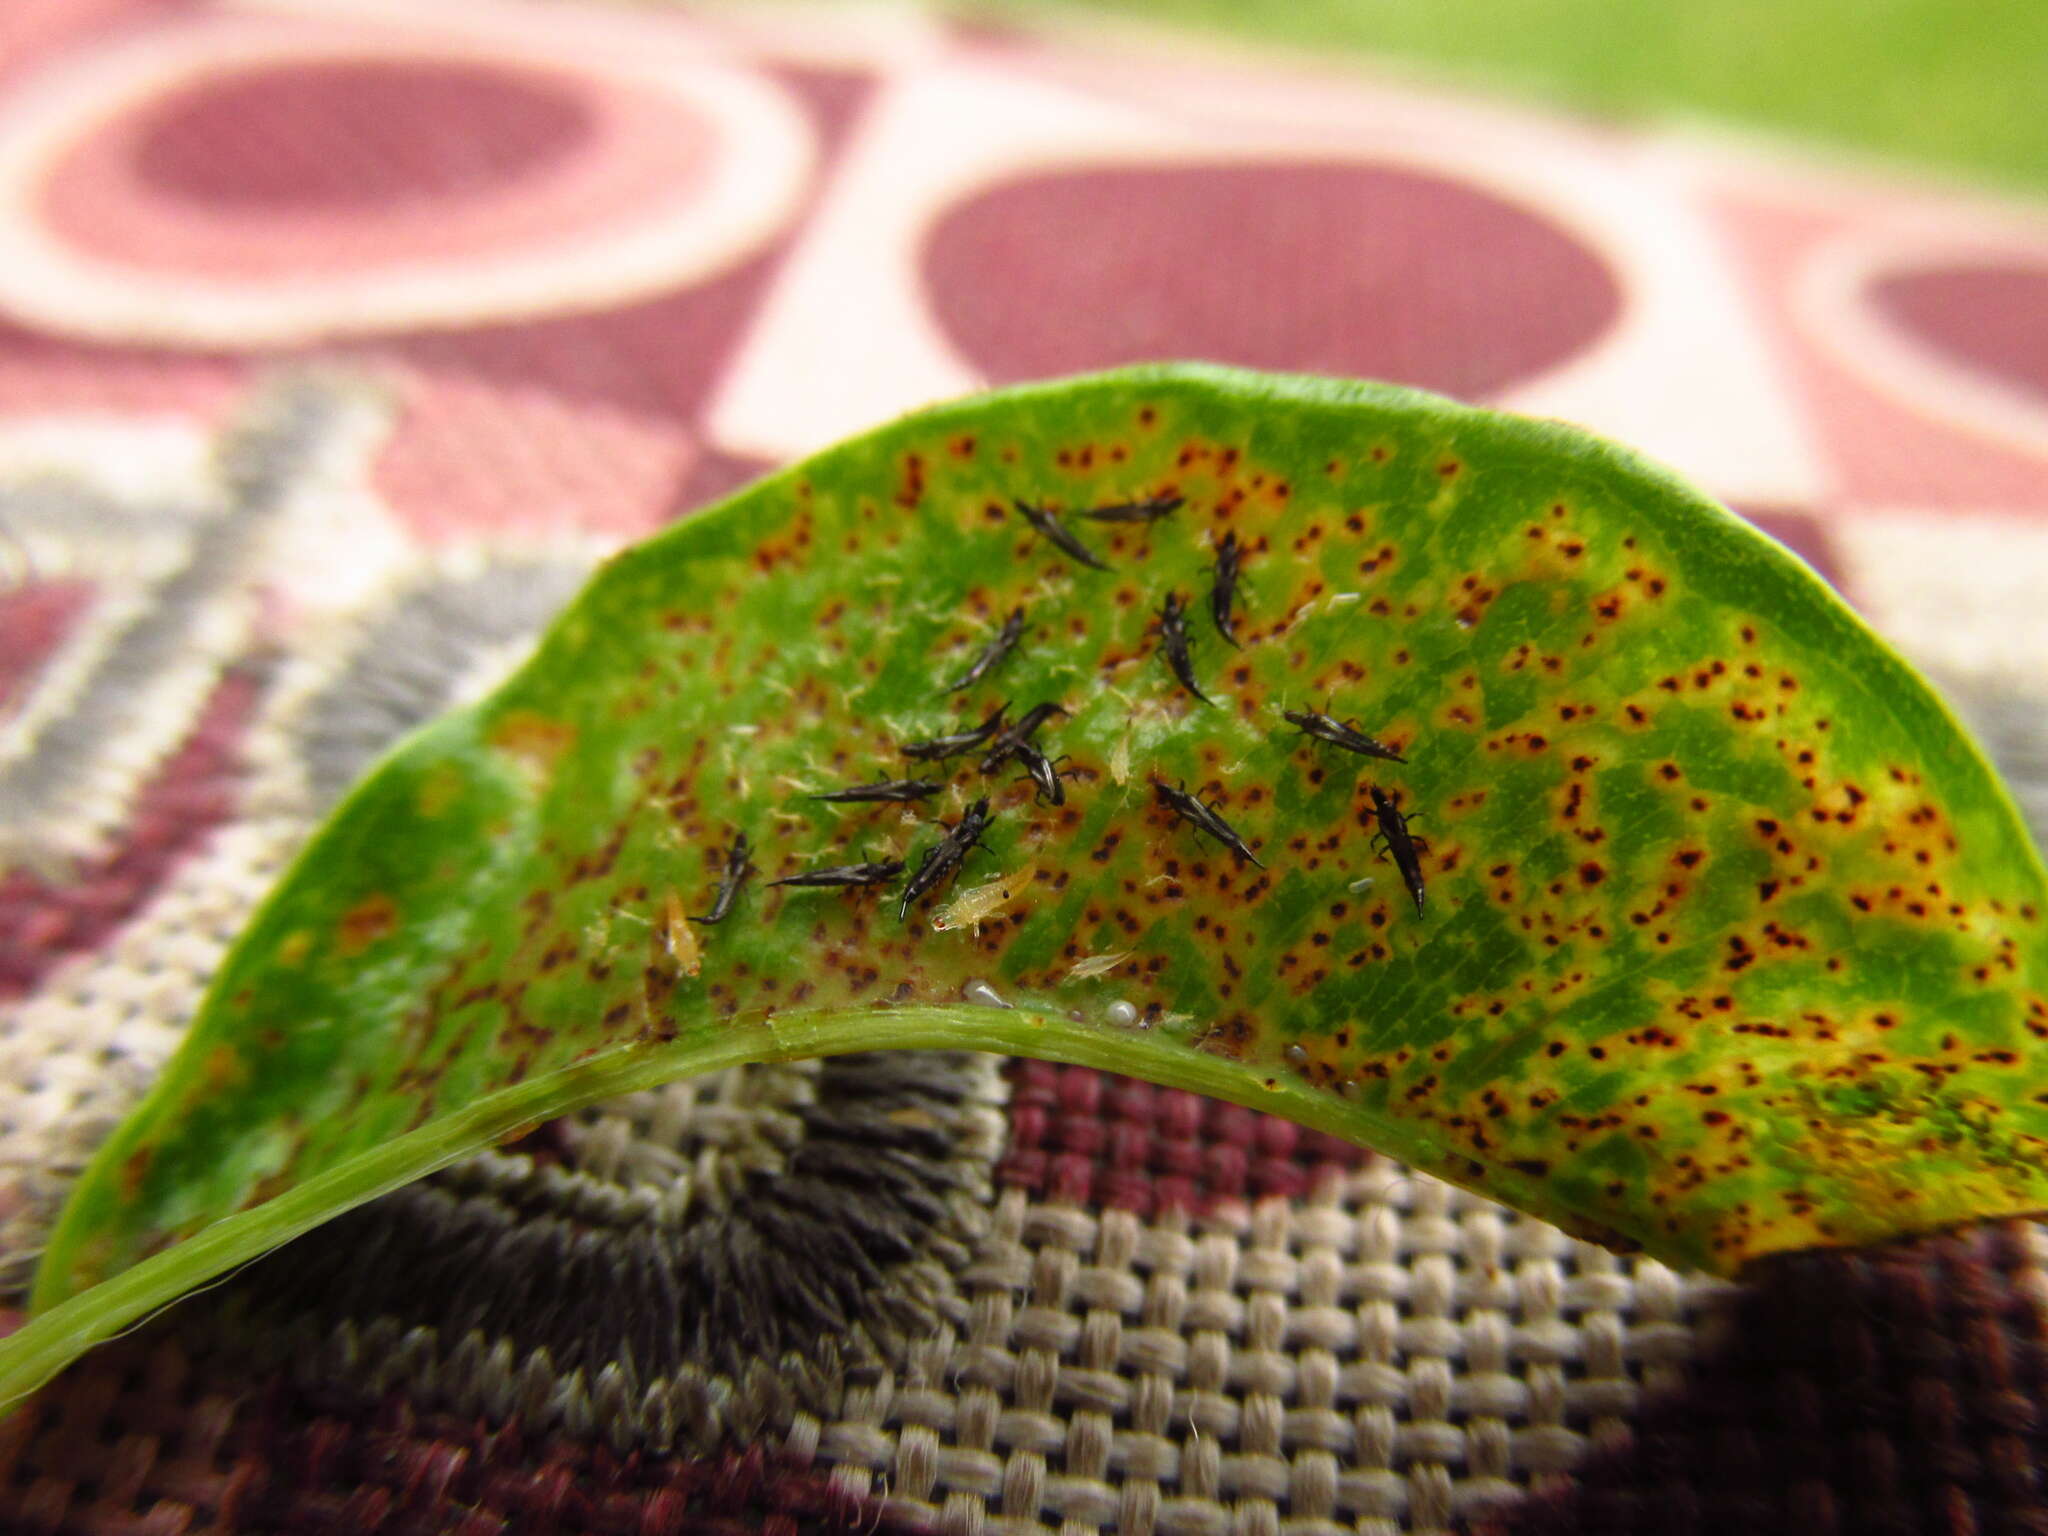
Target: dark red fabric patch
x: 194, y: 792
x: 200, y: 1450
x: 1894, y: 1390
x: 1993, y: 319
x: 1093, y: 1138
x: 365, y: 133
x: 1307, y: 267
x: 33, y: 622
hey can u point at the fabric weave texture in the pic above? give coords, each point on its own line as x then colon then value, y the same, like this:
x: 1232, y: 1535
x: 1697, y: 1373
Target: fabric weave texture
x: 341, y: 339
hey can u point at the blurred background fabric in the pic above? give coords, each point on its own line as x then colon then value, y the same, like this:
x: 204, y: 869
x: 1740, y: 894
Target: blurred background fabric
x: 339, y: 339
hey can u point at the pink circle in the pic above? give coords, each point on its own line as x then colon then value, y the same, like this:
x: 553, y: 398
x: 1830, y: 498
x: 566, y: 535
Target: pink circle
x: 276, y: 173
x: 1305, y: 266
x: 1991, y: 319
x: 355, y: 134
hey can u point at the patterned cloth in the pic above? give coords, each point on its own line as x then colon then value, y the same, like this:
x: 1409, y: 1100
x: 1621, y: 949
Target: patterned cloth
x: 342, y: 337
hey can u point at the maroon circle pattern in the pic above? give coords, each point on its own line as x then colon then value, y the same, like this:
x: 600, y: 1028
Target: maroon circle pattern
x: 348, y: 134
x: 1303, y: 266
x: 1991, y: 318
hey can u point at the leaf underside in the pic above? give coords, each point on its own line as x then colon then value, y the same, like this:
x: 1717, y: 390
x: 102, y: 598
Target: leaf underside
x: 1730, y: 940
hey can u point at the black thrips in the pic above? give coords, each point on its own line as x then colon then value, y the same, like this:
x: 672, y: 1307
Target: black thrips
x: 892, y: 790
x: 737, y: 868
x: 1203, y: 818
x: 940, y: 747
x: 1045, y: 773
x: 1150, y: 510
x: 1173, y: 640
x: 945, y: 856
x: 1229, y: 558
x: 1056, y: 531
x: 846, y: 874
x: 1005, y: 746
x: 993, y: 653
x: 1405, y: 849
x: 1340, y: 734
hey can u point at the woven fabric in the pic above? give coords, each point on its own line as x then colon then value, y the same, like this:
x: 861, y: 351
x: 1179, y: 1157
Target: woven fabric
x: 1897, y: 1390
x: 344, y: 337
x: 1380, y: 1352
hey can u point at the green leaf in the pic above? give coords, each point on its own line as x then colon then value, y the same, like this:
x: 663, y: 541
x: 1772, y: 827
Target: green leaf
x: 1730, y: 940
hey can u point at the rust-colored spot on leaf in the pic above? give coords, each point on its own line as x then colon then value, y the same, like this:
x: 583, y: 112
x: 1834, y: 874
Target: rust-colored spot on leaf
x: 133, y: 1171
x: 225, y: 1068
x: 374, y: 917
x: 910, y: 487
x: 533, y: 741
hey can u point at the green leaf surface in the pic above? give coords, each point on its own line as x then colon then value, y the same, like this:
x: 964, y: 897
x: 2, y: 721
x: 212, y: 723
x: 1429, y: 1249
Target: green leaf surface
x: 1730, y: 940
